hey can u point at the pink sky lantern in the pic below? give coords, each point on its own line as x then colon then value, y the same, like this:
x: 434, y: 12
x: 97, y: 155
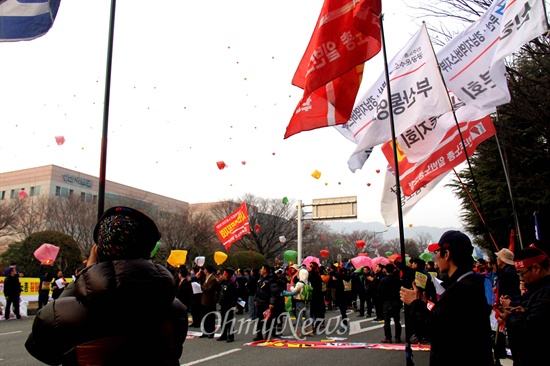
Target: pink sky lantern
x: 22, y: 194
x: 46, y: 253
x: 60, y: 140
x: 243, y: 162
x: 221, y: 165
x: 310, y: 259
x: 361, y: 261
x: 324, y: 253
x: 360, y: 244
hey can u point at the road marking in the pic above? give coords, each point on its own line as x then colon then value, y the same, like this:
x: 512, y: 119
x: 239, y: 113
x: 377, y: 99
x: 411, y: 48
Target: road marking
x: 19, y: 331
x: 211, y: 357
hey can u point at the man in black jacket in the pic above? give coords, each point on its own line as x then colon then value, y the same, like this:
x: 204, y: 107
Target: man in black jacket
x: 391, y: 304
x: 228, y: 302
x: 101, y: 318
x: 528, y: 323
x: 268, y: 297
x: 12, y: 291
x: 461, y: 311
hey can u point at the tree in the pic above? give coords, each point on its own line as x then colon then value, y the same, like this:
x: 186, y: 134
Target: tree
x: 245, y: 259
x: 73, y: 217
x: 68, y: 259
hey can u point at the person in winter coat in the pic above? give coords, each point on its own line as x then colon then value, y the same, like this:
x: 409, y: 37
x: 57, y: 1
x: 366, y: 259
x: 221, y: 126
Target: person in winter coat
x: 12, y: 291
x: 461, y: 311
x: 228, y: 302
x: 528, y: 323
x: 102, y: 318
x: 210, y: 292
x: 269, y: 296
x: 302, y: 306
x: 391, y: 303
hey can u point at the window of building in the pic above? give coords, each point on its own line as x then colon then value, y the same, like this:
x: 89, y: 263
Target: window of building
x: 57, y: 190
x: 64, y: 192
x: 35, y: 191
x: 94, y: 199
x: 12, y: 193
x: 2, y: 195
x: 71, y: 192
x: 82, y: 197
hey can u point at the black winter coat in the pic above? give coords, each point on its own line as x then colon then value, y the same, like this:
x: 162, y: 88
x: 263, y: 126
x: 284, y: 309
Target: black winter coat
x: 462, y: 312
x: 124, y: 311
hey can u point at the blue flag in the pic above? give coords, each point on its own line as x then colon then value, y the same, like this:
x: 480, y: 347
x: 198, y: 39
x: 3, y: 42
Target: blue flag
x: 23, y: 20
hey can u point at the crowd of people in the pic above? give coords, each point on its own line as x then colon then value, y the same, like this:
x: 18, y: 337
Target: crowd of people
x: 493, y: 303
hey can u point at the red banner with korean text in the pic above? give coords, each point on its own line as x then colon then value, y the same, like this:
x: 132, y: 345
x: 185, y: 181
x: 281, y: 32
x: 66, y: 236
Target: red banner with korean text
x: 448, y: 154
x: 346, y: 35
x: 233, y: 227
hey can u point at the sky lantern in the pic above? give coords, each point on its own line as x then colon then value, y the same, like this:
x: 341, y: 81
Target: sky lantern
x: 290, y: 256
x: 307, y: 227
x: 177, y: 258
x: 326, y: 183
x: 199, y: 261
x: 377, y: 171
x: 46, y: 253
x: 316, y: 174
x: 285, y: 200
x: 426, y: 257
x: 60, y: 140
x: 282, y: 239
x: 324, y: 253
x: 243, y: 162
x: 340, y: 242
x: 155, y: 249
x: 368, y: 184
x: 219, y: 258
x: 22, y: 194
x: 221, y: 165
x: 257, y: 228
x: 360, y: 244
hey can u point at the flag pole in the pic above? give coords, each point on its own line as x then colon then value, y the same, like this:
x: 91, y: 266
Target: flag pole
x: 504, y: 160
x: 408, y: 349
x: 103, y: 159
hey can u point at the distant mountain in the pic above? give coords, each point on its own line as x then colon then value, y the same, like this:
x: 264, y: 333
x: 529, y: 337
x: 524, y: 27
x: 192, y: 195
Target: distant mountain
x: 393, y: 231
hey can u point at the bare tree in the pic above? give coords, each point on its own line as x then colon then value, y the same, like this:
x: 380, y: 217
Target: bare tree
x: 74, y: 217
x: 32, y: 216
x: 9, y: 214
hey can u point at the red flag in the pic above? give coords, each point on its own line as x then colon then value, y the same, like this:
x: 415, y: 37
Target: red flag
x: 512, y: 241
x: 448, y: 154
x: 345, y: 36
x: 233, y: 227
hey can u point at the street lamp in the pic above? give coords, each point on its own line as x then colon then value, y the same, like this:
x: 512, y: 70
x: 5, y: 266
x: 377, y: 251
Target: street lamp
x: 377, y: 232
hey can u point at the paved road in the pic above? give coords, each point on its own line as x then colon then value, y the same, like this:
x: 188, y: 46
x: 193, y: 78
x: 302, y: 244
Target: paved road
x: 206, y: 352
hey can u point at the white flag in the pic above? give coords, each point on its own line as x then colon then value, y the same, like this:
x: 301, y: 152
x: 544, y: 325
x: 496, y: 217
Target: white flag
x: 466, y: 61
x: 419, y: 141
x: 388, y: 205
x: 523, y: 21
x: 417, y: 93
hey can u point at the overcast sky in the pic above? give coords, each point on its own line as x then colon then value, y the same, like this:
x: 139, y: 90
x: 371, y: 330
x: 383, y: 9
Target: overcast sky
x: 193, y: 83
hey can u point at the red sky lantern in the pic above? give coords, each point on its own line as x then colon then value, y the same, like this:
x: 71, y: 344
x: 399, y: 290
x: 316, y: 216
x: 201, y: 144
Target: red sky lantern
x: 46, y: 253
x: 307, y: 227
x: 257, y: 228
x: 220, y: 165
x: 324, y: 253
x: 60, y: 140
x: 360, y: 244
x: 22, y: 194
